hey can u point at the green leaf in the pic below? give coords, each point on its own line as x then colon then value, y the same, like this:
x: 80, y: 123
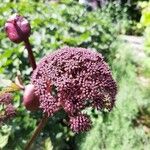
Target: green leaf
x: 3, y: 140
x: 48, y: 144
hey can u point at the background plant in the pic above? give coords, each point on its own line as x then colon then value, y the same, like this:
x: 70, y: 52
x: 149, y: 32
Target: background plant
x: 145, y: 22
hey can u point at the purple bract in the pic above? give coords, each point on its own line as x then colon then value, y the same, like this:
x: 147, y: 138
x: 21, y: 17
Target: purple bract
x: 17, y: 28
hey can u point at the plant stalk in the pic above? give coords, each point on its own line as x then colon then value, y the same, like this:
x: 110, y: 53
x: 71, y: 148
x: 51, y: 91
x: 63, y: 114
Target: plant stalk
x: 30, y: 53
x: 36, y: 132
x: 27, y: 45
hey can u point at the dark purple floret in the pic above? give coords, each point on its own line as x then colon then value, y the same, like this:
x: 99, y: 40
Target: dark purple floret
x: 49, y: 104
x: 80, y: 123
x: 73, y: 79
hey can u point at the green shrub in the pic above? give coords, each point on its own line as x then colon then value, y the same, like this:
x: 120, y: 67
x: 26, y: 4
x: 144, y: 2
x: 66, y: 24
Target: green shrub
x: 54, y: 26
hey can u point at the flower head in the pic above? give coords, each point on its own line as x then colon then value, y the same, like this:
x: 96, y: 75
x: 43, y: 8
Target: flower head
x: 7, y: 110
x: 5, y: 98
x: 73, y: 79
x: 17, y: 28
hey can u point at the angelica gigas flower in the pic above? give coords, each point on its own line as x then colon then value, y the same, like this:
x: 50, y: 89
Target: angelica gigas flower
x: 5, y: 98
x: 73, y: 79
x: 7, y: 110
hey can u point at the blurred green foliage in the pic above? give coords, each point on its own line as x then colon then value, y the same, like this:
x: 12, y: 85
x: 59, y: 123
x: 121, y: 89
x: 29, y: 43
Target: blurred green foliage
x: 145, y: 22
x: 55, y: 25
x: 116, y: 130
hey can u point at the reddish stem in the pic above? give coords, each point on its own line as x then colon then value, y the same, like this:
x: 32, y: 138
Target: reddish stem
x: 36, y: 132
x: 30, y: 53
x: 27, y: 45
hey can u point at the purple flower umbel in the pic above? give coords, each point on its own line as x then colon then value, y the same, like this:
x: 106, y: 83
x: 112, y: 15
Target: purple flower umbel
x: 7, y: 110
x: 73, y: 79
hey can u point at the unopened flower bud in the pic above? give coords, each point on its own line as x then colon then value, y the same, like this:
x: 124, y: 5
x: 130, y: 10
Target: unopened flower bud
x: 17, y: 28
x: 30, y: 100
